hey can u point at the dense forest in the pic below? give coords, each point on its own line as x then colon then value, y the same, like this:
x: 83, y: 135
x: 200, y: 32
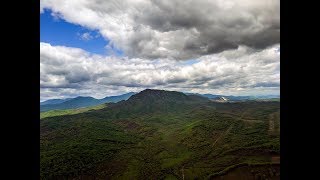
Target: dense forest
x: 163, y: 135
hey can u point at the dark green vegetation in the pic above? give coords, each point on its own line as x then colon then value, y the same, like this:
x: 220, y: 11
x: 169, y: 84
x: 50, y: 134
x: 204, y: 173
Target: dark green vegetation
x: 80, y: 102
x: 160, y: 135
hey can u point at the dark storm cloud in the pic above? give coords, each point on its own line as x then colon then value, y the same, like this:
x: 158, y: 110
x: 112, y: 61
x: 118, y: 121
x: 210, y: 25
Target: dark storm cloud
x: 235, y: 44
x: 176, y: 29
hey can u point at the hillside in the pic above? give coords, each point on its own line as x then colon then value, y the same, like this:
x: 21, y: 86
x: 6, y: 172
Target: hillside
x: 158, y: 134
x: 62, y: 112
x: 80, y: 102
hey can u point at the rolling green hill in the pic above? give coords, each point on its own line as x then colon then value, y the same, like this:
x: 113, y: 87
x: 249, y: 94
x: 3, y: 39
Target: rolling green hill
x: 158, y: 134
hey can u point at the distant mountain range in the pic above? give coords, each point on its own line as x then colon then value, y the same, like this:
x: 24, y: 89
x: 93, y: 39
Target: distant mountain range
x: 235, y: 98
x: 54, y: 101
x: 80, y: 102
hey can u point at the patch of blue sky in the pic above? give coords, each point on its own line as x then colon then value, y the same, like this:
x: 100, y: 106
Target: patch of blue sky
x: 58, y: 32
x: 190, y: 62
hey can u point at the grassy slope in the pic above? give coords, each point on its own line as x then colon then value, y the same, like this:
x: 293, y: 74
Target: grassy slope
x: 199, y: 140
x: 69, y: 111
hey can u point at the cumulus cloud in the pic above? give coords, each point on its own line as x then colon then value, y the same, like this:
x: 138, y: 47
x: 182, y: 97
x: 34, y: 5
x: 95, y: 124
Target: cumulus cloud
x: 85, y: 36
x: 69, y: 72
x: 152, y: 29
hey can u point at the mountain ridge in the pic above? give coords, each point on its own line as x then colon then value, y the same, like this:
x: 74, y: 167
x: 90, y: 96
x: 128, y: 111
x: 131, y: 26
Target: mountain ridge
x: 146, y: 95
x: 81, y: 101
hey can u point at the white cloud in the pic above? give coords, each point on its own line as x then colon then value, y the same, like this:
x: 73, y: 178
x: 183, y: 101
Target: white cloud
x: 85, y: 36
x: 175, y: 29
x: 69, y: 72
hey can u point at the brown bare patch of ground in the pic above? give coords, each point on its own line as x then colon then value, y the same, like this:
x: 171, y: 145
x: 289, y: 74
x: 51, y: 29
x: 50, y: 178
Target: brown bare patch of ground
x: 275, y: 159
x: 252, y: 173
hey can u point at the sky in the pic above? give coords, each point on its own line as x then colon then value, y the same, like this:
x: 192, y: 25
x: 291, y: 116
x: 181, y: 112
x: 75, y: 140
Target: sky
x: 101, y: 48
